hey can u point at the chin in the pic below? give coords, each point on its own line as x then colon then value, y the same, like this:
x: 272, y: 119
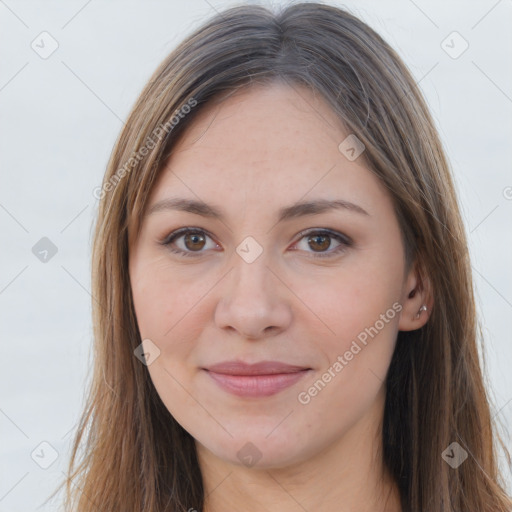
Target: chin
x: 258, y: 451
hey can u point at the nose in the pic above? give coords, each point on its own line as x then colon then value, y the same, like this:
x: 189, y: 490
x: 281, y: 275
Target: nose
x: 255, y: 302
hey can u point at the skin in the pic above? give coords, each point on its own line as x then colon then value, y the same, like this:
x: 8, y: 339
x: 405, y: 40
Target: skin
x: 259, y: 150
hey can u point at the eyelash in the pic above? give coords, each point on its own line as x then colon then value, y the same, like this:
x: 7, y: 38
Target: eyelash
x: 345, y: 241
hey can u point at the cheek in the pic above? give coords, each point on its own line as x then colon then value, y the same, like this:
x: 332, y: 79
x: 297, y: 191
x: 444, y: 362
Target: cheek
x: 170, y: 311
x: 164, y: 311
x: 150, y: 301
x: 359, y: 323
x: 161, y: 297
x: 345, y: 302
x: 357, y: 356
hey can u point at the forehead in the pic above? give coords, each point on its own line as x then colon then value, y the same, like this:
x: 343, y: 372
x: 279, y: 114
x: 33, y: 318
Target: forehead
x: 267, y: 145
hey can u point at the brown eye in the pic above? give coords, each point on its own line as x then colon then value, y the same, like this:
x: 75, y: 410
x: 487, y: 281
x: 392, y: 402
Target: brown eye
x: 319, y: 242
x: 189, y: 242
x: 324, y: 243
x: 194, y: 241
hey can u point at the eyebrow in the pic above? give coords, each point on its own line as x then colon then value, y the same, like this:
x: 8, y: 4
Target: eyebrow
x: 289, y: 212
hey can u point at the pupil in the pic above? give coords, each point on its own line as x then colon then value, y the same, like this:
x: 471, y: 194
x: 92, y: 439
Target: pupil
x: 324, y: 237
x: 194, y: 237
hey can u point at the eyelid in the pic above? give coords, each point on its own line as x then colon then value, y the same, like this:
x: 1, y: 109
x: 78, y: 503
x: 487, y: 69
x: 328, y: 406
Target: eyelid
x: 343, y: 239
x: 171, y: 237
x: 335, y: 234
x: 345, y: 242
x: 183, y: 231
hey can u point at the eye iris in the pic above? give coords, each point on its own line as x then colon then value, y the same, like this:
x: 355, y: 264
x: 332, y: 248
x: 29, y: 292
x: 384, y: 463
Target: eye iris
x: 194, y: 237
x: 315, y: 239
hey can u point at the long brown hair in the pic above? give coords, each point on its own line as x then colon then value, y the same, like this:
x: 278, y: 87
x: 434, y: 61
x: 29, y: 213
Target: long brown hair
x: 135, y: 456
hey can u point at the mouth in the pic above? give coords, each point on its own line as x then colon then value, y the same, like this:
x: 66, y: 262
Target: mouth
x: 262, y: 379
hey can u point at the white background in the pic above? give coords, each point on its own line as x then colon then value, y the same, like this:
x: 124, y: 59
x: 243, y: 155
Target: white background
x: 60, y: 117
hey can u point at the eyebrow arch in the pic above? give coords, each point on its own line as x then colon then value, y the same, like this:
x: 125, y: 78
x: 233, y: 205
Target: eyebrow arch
x: 296, y: 210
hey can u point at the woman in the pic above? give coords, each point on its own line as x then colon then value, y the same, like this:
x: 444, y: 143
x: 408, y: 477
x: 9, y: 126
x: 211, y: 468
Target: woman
x: 284, y: 312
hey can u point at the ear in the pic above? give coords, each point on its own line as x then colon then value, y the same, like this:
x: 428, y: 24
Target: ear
x: 417, y: 292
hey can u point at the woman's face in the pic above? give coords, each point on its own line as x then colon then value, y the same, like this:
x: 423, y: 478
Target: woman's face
x: 265, y: 279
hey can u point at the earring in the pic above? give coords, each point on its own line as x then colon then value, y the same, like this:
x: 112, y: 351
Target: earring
x: 423, y: 308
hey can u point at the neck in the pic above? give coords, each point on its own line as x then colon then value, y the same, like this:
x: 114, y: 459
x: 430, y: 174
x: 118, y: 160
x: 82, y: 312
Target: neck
x: 347, y: 476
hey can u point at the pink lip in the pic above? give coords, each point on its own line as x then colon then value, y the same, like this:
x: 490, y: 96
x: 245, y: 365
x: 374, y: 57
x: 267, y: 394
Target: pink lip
x: 255, y: 380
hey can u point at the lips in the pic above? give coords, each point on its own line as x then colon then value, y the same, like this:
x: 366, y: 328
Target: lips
x: 261, y: 379
x: 261, y: 368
